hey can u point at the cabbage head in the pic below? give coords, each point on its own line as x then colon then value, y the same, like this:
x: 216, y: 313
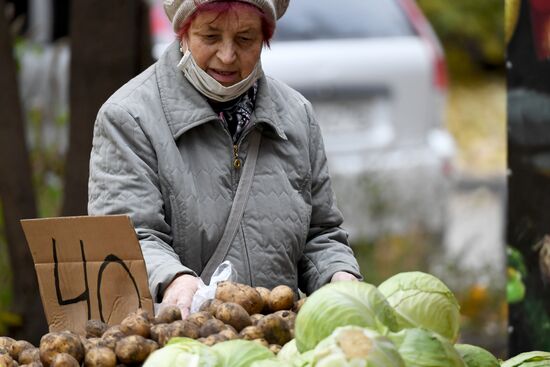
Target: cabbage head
x: 475, y: 356
x: 351, y: 346
x: 182, y: 352
x: 272, y: 362
x: 289, y: 354
x: 342, y: 304
x: 422, y: 300
x: 529, y: 359
x: 240, y: 353
x: 424, y: 348
x: 289, y: 351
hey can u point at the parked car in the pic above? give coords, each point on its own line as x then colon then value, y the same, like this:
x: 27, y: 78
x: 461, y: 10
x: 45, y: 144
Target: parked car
x: 375, y: 74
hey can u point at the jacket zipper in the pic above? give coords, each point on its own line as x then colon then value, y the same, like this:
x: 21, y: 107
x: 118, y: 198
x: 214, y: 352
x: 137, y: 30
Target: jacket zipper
x: 237, y: 162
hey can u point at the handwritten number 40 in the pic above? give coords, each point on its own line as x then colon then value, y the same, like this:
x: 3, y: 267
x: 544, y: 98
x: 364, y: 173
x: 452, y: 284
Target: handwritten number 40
x: 85, y: 295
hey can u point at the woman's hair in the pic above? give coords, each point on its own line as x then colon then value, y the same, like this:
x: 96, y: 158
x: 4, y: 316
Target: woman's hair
x: 224, y: 7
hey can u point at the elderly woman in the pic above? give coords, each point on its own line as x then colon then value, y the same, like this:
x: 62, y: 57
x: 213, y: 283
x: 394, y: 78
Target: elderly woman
x: 214, y: 161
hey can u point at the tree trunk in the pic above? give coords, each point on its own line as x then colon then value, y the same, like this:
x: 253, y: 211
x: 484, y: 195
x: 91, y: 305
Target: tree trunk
x: 109, y: 45
x: 17, y: 195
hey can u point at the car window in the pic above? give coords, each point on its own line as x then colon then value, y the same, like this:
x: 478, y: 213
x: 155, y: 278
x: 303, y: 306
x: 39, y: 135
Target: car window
x: 331, y: 19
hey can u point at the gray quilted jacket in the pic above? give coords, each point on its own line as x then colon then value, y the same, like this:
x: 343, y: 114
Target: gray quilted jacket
x: 161, y: 155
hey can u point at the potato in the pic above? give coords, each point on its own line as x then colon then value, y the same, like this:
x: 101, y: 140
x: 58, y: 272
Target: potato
x: 255, y: 318
x: 199, y: 318
x: 244, y: 295
x: 55, y: 343
x: 214, y: 339
x: 275, y: 329
x: 64, y: 360
x: 281, y: 298
x: 168, y: 314
x: 152, y: 345
x: 100, y: 357
x: 32, y: 364
x: 161, y: 333
x: 132, y: 349
x: 7, y: 360
x: 6, y: 341
x: 29, y: 355
x: 141, y: 312
x: 233, y: 314
x: 135, y: 324
x: 184, y: 328
x: 210, y: 305
x: 93, y: 343
x: 229, y: 333
x: 275, y: 348
x: 288, y: 316
x: 264, y: 293
x: 17, y: 347
x: 298, y: 304
x: 112, y: 335
x: 95, y: 328
x: 212, y: 326
x: 251, y: 333
x: 229, y: 327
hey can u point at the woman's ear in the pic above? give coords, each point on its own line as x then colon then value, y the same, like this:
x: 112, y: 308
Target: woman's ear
x: 183, y: 45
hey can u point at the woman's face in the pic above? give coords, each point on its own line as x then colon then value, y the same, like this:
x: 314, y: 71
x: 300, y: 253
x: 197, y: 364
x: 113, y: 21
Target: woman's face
x: 226, y: 46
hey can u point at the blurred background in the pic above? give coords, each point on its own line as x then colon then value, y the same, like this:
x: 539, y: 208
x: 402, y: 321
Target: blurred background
x: 411, y: 101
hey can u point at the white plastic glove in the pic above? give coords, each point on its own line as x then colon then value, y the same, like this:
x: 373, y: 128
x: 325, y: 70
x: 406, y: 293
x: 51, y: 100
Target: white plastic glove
x: 341, y: 276
x: 180, y: 292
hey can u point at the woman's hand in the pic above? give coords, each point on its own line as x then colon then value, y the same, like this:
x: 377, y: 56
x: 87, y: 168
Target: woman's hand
x: 180, y: 293
x: 342, y: 275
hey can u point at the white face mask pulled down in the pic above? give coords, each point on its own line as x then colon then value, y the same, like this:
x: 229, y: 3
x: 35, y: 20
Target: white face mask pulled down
x: 209, y: 86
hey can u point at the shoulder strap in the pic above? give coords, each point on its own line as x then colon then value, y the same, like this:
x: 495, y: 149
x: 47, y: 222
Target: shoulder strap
x: 237, y: 209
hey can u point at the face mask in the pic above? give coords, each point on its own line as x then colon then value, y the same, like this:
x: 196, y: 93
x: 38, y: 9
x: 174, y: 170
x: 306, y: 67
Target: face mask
x: 209, y: 86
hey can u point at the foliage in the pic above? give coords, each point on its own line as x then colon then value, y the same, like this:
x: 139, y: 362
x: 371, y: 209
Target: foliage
x: 476, y: 117
x: 47, y: 161
x: 471, y: 31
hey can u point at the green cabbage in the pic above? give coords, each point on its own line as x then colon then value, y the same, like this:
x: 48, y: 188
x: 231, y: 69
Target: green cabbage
x: 304, y: 359
x: 422, y: 300
x: 272, y: 362
x: 351, y: 346
x: 182, y: 352
x: 424, y: 348
x: 475, y: 356
x: 240, y: 353
x: 342, y: 304
x: 528, y: 359
x: 289, y: 351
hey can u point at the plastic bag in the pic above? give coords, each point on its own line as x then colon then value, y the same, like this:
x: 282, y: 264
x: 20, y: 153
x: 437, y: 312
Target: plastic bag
x: 205, y: 292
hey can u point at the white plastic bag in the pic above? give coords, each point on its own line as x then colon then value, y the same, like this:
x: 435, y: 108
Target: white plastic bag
x: 205, y: 292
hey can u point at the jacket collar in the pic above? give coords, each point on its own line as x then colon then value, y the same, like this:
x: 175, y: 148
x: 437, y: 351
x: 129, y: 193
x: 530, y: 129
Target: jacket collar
x: 185, y: 108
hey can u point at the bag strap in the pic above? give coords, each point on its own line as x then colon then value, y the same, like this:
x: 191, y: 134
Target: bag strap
x: 237, y: 208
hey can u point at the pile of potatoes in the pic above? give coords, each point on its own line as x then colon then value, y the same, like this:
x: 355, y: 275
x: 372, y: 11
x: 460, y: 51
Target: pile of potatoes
x: 238, y: 311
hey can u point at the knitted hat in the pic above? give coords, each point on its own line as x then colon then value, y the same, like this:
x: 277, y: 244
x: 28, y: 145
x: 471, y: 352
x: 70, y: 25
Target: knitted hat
x: 178, y: 10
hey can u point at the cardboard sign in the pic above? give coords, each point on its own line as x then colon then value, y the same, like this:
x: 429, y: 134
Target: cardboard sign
x: 87, y: 268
